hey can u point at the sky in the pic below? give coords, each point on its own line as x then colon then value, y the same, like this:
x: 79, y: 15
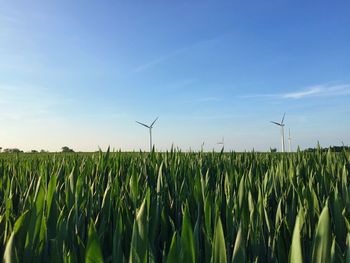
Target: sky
x: 80, y: 73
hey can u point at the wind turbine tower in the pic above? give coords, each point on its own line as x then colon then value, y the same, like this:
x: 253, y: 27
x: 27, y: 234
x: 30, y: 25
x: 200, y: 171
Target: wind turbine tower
x: 202, y: 147
x: 281, y: 124
x: 290, y: 142
x: 222, y: 142
x: 150, y: 132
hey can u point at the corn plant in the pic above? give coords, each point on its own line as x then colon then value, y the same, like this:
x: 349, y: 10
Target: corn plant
x: 175, y: 207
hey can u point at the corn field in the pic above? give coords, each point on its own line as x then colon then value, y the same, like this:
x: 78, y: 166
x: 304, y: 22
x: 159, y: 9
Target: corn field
x: 175, y: 207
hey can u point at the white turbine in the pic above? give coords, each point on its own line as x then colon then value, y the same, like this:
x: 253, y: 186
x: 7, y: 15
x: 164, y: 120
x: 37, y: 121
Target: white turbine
x: 202, y: 147
x: 150, y: 132
x: 281, y: 124
x: 290, y: 142
x: 222, y: 142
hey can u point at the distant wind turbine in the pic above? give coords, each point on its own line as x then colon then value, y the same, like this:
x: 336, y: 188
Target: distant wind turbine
x: 290, y: 142
x: 222, y: 142
x: 150, y: 132
x: 281, y: 124
x: 202, y: 146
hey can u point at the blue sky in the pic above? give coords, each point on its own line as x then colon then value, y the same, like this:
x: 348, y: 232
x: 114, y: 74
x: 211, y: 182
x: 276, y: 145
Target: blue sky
x: 79, y: 73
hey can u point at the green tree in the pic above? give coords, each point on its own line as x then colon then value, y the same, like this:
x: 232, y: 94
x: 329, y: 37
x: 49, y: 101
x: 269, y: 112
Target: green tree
x: 66, y: 149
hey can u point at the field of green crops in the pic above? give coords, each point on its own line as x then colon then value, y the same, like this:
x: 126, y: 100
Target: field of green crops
x: 175, y: 207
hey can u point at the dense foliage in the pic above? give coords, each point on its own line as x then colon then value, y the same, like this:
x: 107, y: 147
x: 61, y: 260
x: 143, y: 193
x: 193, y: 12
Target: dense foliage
x: 175, y: 207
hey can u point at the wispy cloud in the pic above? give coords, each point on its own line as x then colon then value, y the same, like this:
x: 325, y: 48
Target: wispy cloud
x: 161, y: 59
x: 319, y: 91
x: 325, y: 90
x: 305, y: 93
x: 207, y: 99
x: 217, y: 117
x: 203, y: 100
x: 253, y: 96
x: 180, y: 84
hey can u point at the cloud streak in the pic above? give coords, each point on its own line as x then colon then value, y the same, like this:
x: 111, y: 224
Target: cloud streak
x: 324, y: 91
x: 319, y: 91
x: 207, y: 99
x: 203, y: 100
x: 161, y: 59
x: 302, y: 94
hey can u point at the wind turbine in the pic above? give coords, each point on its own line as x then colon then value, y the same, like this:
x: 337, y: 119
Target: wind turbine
x: 150, y: 131
x: 290, y: 142
x: 281, y: 124
x: 222, y: 142
x: 202, y: 146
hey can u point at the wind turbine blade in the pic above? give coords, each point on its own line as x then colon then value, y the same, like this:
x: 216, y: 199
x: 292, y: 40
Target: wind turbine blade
x: 276, y: 123
x: 143, y: 124
x: 283, y: 118
x: 154, y: 122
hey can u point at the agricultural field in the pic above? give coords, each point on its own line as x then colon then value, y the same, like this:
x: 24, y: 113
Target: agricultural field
x: 175, y: 207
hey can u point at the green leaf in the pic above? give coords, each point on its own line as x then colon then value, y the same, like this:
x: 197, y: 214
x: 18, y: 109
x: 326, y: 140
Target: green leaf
x: 139, y: 241
x: 9, y: 255
x: 174, y: 251
x: 117, y: 253
x: 241, y: 193
x: 197, y: 234
x: 348, y: 249
x: 219, y: 247
x: 339, y: 224
x: 35, y: 222
x: 296, y: 255
x: 187, y: 242
x: 321, y: 251
x: 20, y: 221
x: 333, y: 256
x: 93, y: 249
x: 239, y: 249
x: 50, y: 192
x: 134, y: 187
x: 278, y: 214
